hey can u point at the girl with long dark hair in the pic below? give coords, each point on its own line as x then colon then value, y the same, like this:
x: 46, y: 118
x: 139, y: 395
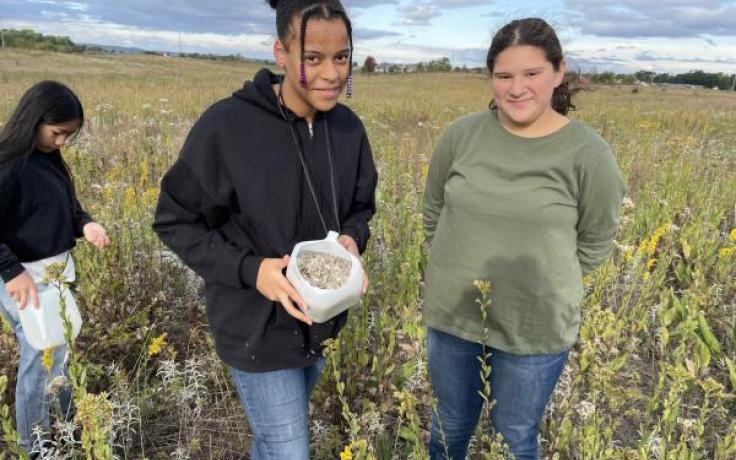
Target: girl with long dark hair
x: 278, y: 162
x: 40, y: 220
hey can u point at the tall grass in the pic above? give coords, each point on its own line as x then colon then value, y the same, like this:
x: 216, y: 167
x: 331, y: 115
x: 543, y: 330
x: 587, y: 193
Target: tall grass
x: 653, y: 376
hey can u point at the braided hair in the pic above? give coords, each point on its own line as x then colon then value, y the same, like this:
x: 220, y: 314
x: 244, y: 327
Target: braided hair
x: 286, y: 10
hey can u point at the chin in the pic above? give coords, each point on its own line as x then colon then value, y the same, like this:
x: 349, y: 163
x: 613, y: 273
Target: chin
x: 324, y: 106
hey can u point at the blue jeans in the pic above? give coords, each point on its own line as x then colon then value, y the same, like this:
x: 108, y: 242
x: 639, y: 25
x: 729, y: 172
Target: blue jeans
x: 31, y: 399
x: 520, y: 385
x: 277, y: 405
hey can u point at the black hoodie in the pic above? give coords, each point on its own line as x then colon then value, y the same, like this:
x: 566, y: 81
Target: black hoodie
x: 238, y: 194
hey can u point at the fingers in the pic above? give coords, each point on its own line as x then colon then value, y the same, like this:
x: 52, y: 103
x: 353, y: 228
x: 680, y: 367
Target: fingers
x: 34, y: 297
x: 22, y: 300
x: 290, y: 309
x: 101, y: 240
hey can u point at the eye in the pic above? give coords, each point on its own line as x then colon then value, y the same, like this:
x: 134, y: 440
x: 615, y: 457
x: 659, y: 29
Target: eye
x: 502, y: 76
x: 532, y: 74
x: 342, y: 59
x: 311, y: 59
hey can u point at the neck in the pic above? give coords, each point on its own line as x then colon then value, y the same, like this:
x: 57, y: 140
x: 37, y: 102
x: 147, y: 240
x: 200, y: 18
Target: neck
x: 294, y: 102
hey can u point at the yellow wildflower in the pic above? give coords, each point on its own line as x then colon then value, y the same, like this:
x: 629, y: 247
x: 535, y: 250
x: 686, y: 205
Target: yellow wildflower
x: 658, y: 233
x: 725, y: 252
x: 129, y: 200
x: 645, y: 276
x: 157, y: 345
x: 732, y: 235
x: 346, y: 454
x: 48, y: 359
x: 150, y: 196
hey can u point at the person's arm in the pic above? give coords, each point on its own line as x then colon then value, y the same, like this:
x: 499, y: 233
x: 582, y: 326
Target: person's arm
x: 602, y: 189
x: 194, y: 207
x: 10, y: 266
x: 355, y: 224
x: 434, y: 191
x: 80, y: 218
x: 189, y: 220
x: 18, y: 283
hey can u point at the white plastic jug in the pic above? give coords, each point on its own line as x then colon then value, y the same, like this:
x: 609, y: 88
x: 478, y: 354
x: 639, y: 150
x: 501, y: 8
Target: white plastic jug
x: 325, y: 304
x: 43, y: 326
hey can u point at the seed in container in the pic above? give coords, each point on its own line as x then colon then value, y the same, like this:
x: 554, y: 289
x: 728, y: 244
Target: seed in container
x: 323, y: 270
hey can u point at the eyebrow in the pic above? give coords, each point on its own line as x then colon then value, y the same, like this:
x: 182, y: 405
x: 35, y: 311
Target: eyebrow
x: 319, y: 53
x: 532, y: 69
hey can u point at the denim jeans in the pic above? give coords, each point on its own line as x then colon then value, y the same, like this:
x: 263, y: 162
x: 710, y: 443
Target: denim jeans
x: 31, y: 399
x: 277, y: 405
x: 520, y: 385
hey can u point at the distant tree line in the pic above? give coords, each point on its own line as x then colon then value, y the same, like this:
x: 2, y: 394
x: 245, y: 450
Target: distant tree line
x: 695, y: 77
x: 30, y: 39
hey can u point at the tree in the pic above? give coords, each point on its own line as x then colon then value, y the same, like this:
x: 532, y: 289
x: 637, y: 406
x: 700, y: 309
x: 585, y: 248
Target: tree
x: 369, y: 65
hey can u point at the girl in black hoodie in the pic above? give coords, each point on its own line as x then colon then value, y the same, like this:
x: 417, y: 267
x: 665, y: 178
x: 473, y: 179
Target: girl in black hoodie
x: 40, y: 221
x: 278, y: 162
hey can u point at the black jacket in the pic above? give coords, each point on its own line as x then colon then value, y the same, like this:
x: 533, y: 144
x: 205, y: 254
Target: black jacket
x: 238, y: 194
x: 39, y: 215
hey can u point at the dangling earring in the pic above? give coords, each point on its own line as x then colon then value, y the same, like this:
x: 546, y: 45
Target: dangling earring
x: 349, y: 92
x: 302, y: 77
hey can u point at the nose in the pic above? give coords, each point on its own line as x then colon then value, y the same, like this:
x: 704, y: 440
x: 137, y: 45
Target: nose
x: 60, y: 140
x: 330, y: 72
x: 517, y: 86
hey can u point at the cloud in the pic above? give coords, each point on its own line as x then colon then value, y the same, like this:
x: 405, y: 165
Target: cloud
x: 648, y: 56
x: 419, y: 14
x: 190, y: 16
x: 105, y: 33
x: 459, y: 3
x: 367, y: 3
x: 643, y: 18
x: 370, y: 34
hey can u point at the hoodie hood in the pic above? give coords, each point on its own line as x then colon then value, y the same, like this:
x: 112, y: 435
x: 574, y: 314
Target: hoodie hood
x: 259, y: 92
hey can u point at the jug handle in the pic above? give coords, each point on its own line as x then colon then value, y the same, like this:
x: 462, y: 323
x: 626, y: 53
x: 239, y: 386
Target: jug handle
x: 331, y: 236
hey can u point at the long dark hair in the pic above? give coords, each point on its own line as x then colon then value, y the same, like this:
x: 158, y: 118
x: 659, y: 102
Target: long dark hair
x: 47, y: 102
x: 536, y: 32
x: 286, y: 10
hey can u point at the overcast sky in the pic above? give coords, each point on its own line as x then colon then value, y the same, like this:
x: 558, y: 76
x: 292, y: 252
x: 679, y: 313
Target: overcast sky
x: 625, y: 35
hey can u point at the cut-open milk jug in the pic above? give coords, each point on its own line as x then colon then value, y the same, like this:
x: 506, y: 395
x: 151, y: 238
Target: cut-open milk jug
x: 325, y: 304
x: 43, y: 326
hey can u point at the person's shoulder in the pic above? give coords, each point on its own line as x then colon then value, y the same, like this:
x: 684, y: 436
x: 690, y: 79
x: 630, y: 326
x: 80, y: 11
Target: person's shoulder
x: 220, y: 111
x: 342, y: 117
x: 588, y: 137
x: 470, y: 122
x: 10, y: 171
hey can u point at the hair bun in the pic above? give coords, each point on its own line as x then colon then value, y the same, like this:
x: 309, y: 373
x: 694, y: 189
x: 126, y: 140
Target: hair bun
x: 273, y: 3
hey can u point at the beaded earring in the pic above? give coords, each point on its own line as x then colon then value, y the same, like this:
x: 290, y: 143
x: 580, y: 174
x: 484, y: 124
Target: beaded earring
x: 302, y: 77
x: 349, y: 92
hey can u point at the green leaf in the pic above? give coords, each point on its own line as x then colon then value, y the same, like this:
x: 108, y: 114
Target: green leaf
x: 710, y: 339
x: 731, y: 372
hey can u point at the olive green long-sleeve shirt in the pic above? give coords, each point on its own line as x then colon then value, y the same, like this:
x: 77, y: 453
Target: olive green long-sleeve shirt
x: 530, y: 215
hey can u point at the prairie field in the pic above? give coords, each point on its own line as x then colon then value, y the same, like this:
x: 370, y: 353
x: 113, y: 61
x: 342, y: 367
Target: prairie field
x: 653, y: 375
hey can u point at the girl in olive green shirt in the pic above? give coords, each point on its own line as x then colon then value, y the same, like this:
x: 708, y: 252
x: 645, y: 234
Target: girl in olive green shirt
x: 527, y: 199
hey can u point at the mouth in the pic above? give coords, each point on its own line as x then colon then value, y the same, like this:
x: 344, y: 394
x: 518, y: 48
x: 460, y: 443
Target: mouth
x: 329, y: 93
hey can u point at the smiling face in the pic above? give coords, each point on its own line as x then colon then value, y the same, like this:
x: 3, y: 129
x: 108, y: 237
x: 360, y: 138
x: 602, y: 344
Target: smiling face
x: 326, y: 65
x: 52, y: 137
x: 523, y: 84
